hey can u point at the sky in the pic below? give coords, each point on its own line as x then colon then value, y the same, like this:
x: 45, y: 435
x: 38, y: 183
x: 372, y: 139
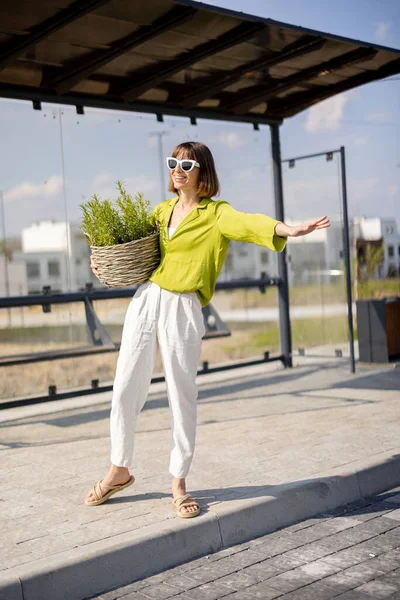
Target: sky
x: 53, y: 160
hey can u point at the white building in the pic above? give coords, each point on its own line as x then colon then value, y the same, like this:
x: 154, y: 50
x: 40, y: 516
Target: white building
x: 56, y: 254
x: 13, y: 279
x: 382, y: 232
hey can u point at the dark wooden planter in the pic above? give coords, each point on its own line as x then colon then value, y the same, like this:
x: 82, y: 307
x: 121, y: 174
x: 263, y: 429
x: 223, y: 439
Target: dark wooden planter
x: 378, y: 324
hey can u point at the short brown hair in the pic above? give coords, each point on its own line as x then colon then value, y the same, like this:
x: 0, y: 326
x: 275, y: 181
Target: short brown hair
x: 208, y: 178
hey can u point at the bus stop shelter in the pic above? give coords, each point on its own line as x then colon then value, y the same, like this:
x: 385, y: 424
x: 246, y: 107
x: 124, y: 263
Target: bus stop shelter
x: 183, y: 58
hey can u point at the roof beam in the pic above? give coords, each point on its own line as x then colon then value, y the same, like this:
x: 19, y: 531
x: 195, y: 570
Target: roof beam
x: 150, y: 78
x: 303, y: 100
x: 86, y: 66
x: 259, y: 94
x: 207, y: 87
x: 11, y: 50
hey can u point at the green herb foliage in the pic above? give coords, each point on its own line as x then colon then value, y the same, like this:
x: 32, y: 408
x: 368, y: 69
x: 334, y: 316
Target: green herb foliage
x: 106, y: 225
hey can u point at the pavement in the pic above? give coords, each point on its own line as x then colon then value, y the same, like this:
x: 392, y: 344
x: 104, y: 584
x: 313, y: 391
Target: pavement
x: 273, y: 447
x: 351, y: 553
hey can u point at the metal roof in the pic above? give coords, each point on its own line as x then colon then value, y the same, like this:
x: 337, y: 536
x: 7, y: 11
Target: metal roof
x: 176, y: 57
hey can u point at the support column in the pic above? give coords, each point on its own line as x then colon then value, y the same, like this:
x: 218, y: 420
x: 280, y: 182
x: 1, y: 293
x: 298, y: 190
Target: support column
x: 283, y: 289
x: 347, y: 261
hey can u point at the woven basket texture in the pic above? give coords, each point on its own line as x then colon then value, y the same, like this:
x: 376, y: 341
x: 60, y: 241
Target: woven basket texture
x: 127, y: 264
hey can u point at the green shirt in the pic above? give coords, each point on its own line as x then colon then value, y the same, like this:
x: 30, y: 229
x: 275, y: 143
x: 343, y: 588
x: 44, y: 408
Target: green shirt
x: 192, y: 258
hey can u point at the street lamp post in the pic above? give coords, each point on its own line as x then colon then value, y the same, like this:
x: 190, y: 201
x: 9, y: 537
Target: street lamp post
x: 159, y: 135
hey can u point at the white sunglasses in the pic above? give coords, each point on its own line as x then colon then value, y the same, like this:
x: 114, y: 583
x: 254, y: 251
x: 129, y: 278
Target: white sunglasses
x: 186, y: 164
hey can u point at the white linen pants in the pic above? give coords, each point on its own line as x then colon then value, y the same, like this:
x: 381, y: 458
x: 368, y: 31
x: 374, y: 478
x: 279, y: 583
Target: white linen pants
x: 174, y: 321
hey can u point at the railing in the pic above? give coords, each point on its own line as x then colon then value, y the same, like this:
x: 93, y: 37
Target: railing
x: 101, y: 342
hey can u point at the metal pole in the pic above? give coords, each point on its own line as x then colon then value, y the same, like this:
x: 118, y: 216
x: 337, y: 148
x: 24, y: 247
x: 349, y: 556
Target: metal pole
x: 346, y: 248
x: 161, y: 158
x: 159, y: 135
x: 6, y: 274
x: 283, y: 289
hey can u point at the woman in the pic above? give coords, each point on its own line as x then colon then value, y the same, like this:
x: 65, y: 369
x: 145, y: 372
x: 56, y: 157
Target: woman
x: 195, y: 232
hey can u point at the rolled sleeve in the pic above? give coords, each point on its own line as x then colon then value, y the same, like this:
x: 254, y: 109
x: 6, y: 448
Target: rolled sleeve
x: 248, y: 227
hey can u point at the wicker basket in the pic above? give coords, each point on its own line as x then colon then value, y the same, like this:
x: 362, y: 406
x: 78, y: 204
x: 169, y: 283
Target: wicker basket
x: 127, y: 264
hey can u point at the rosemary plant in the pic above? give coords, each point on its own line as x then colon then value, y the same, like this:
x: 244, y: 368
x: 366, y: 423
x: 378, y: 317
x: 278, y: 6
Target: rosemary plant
x: 106, y: 225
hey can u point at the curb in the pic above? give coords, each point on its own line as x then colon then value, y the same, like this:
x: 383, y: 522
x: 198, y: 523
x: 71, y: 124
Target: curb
x: 89, y: 570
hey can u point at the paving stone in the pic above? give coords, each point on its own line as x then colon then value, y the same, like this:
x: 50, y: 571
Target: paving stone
x: 134, y: 596
x: 307, y: 553
x: 159, y: 591
x: 209, y: 591
x: 182, y: 582
x: 319, y: 569
x: 378, y: 545
x: 377, y: 588
x: 340, y: 582
x: 239, y: 560
x: 384, y: 563
x: 290, y: 580
x: 270, y: 568
x: 393, y: 578
x: 335, y: 543
x: 259, y: 590
x: 394, y: 514
x: 348, y: 557
x: 372, y: 511
x: 354, y: 595
x: 239, y: 580
x: 204, y: 575
x: 362, y: 573
x: 314, y: 591
x: 275, y: 547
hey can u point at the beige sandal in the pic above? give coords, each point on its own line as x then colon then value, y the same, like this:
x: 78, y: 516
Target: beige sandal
x: 97, y: 491
x: 186, y: 500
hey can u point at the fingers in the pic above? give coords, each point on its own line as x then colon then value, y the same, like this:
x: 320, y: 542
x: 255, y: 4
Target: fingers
x: 321, y: 221
x: 94, y: 267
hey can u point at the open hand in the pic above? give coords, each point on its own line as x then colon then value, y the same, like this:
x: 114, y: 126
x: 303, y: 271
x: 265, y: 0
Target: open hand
x: 306, y: 228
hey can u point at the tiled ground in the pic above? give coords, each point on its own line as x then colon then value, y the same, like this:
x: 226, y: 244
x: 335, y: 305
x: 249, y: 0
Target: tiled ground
x: 352, y: 553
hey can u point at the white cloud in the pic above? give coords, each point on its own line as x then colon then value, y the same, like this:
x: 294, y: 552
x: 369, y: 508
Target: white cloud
x: 380, y: 117
x: 393, y: 190
x: 326, y: 115
x: 381, y: 31
x: 27, y: 189
x: 230, y: 139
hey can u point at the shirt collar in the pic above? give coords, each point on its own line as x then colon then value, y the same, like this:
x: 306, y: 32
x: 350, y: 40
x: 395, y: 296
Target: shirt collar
x: 202, y: 204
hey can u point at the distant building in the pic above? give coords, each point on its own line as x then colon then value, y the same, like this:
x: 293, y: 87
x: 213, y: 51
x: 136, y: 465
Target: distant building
x: 375, y: 233
x: 13, y: 279
x: 56, y: 254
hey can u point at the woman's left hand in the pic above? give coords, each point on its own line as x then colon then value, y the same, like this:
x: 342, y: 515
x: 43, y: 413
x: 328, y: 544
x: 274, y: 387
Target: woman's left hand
x: 303, y: 229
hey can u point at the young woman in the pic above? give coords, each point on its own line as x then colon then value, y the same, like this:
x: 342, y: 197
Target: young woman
x: 195, y: 232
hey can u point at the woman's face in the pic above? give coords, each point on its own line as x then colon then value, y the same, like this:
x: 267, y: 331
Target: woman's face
x: 185, y: 180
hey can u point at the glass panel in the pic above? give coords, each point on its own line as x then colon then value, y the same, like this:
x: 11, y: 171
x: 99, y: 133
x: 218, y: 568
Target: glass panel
x: 44, y: 247
x: 315, y: 262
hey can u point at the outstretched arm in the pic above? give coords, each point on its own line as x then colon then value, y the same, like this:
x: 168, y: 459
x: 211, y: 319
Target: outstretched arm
x: 282, y: 229
x: 248, y: 227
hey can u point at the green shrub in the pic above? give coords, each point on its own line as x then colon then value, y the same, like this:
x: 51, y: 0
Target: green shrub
x: 106, y: 225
